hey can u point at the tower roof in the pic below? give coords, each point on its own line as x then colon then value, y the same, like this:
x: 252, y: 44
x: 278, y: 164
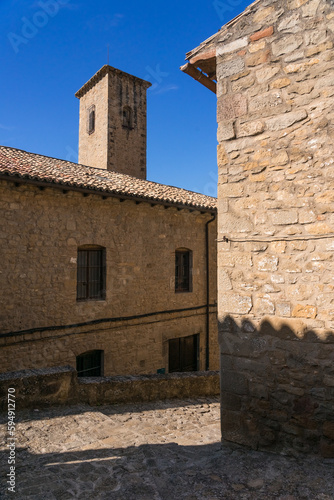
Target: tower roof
x: 106, y: 69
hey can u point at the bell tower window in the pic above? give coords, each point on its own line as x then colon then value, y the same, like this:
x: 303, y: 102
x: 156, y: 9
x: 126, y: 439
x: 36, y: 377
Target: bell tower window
x: 127, y: 117
x: 91, y: 120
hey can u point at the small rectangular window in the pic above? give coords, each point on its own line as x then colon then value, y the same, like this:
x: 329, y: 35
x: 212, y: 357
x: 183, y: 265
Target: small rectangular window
x: 182, y: 271
x: 91, y: 120
x: 90, y: 364
x: 91, y: 274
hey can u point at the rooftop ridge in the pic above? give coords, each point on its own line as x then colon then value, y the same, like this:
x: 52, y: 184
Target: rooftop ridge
x: 101, y: 73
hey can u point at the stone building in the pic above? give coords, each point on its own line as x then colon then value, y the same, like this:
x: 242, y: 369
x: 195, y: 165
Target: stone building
x: 272, y: 70
x: 100, y: 268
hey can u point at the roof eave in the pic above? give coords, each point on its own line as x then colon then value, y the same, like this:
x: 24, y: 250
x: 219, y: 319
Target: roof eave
x: 107, y: 194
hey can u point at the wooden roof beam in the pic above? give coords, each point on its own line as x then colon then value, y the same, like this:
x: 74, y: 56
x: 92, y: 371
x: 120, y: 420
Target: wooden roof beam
x: 195, y: 73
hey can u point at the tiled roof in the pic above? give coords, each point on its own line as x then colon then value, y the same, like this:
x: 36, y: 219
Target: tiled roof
x: 19, y: 165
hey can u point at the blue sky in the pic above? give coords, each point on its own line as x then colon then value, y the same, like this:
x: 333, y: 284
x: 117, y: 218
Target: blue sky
x: 50, y: 48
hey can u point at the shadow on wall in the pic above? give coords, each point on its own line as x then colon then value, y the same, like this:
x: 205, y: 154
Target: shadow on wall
x: 277, y: 386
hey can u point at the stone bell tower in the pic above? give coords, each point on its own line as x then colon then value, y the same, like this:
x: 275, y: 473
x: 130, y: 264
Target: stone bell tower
x: 112, y: 123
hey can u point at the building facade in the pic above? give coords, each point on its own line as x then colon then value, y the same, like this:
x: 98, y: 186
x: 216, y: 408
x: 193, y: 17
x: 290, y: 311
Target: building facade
x: 101, y: 270
x: 272, y: 70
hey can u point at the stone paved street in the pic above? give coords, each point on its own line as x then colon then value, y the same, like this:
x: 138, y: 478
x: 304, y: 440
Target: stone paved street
x: 154, y: 451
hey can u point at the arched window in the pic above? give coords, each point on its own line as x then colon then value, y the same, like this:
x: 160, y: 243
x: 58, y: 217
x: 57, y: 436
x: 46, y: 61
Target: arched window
x: 127, y: 117
x: 91, y: 273
x: 183, y: 270
x: 91, y: 119
x: 90, y: 364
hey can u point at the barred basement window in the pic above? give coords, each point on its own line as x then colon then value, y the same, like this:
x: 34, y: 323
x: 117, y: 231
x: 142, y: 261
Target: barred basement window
x: 183, y: 270
x: 91, y: 119
x: 91, y: 273
x: 183, y: 354
x: 90, y: 364
x: 127, y: 117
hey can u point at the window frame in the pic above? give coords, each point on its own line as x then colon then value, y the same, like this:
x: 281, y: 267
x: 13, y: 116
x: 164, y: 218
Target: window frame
x: 86, y: 272
x: 183, y: 273
x: 86, y: 358
x: 127, y: 117
x: 91, y: 119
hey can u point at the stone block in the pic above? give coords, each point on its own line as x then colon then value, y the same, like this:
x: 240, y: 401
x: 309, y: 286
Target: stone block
x: 289, y: 23
x: 232, y: 46
x: 267, y: 263
x: 262, y: 14
x: 262, y: 34
x: 307, y: 216
x: 268, y: 102
x: 250, y: 128
x: 284, y: 217
x: 304, y: 311
x: 231, y: 190
x: 258, y: 58
x: 222, y: 157
x: 230, y: 107
x: 243, y: 83
x: 298, y: 67
x: 283, y: 309
x: 310, y: 9
x: 265, y: 74
x: 284, y: 121
x: 232, y: 303
x: 319, y: 228
x: 228, y: 68
x: 225, y: 130
x: 256, y: 46
x: 286, y: 45
x: 264, y: 305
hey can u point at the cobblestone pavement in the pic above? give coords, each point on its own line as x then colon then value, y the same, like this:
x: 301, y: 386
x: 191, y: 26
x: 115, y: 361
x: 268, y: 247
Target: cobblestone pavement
x: 155, y: 451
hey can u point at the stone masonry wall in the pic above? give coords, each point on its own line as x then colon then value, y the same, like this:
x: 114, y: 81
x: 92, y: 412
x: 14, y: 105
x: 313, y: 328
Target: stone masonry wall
x: 42, y: 323
x: 61, y: 386
x: 93, y: 148
x: 275, y: 115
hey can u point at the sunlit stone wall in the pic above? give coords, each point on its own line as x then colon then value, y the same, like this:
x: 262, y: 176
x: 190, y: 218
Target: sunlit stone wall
x: 275, y: 115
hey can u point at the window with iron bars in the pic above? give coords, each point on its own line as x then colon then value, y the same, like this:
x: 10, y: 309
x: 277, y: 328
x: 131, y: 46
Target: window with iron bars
x: 91, y: 273
x: 183, y: 270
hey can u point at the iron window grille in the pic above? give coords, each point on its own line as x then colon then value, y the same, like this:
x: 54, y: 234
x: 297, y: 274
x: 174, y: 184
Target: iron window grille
x: 91, y: 274
x: 183, y: 271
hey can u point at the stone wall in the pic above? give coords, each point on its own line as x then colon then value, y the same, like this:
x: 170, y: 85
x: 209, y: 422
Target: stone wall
x: 275, y: 115
x: 42, y: 323
x: 35, y: 389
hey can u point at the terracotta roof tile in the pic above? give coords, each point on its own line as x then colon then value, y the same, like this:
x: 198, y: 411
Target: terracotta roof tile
x: 16, y: 164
